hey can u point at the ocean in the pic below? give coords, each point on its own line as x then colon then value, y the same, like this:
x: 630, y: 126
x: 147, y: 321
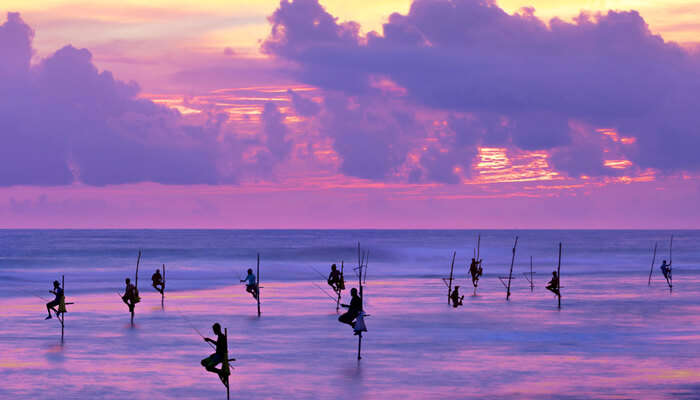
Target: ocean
x: 614, y: 336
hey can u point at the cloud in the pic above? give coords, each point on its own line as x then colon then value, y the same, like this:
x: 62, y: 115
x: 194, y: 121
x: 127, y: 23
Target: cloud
x: 63, y: 121
x: 276, y: 132
x: 371, y: 137
x: 303, y: 106
x: 533, y: 78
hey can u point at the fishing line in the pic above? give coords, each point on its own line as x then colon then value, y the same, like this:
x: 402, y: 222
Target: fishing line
x: 317, y: 271
x: 335, y: 299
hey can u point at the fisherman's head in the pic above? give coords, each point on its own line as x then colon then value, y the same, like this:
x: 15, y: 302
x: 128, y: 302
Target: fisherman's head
x: 157, y: 271
x: 56, y: 284
x: 554, y: 273
x: 127, y: 280
x: 250, y: 271
x: 664, y: 262
x: 333, y: 267
x: 473, y: 259
x: 456, y: 287
x: 353, y: 292
x: 216, y: 328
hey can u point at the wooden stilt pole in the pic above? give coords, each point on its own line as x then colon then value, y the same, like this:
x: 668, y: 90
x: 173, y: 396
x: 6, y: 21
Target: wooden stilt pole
x: 366, y: 258
x: 478, y: 247
x: 478, y: 260
x: 653, y: 260
x: 359, y: 337
x: 341, y: 284
x: 226, y: 365
x: 449, y: 286
x: 162, y: 293
x: 138, y: 261
x: 258, y: 285
x: 670, y: 263
x: 510, y: 275
x: 136, y: 285
x: 532, y: 281
x: 62, y: 316
x: 559, y: 278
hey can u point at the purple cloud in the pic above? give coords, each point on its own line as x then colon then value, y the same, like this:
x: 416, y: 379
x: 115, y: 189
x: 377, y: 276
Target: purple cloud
x: 64, y: 121
x: 303, y: 106
x: 276, y: 132
x: 524, y: 80
x: 372, y: 138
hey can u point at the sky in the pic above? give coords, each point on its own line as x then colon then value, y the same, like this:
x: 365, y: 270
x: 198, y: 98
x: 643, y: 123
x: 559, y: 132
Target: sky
x: 334, y: 114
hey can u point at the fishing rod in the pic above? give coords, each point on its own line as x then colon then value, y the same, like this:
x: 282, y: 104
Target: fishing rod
x: 43, y: 298
x: 193, y: 327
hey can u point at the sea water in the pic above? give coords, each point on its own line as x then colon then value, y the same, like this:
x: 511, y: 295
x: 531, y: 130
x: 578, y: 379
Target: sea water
x: 613, y: 337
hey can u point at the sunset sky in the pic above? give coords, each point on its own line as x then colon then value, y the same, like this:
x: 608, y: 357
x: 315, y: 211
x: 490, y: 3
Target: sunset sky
x: 349, y: 114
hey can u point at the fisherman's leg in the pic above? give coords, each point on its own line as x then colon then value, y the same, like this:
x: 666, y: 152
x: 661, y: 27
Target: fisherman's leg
x: 251, y: 289
x: 347, y: 318
x: 210, y: 363
x: 50, y: 306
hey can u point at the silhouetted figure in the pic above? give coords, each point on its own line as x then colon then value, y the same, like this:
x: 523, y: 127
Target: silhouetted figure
x: 475, y: 270
x: 56, y: 302
x: 251, y: 285
x: 219, y: 357
x: 354, y: 309
x: 131, y: 295
x: 553, y: 284
x: 335, y: 279
x: 666, y: 269
x: 157, y: 280
x: 454, y: 296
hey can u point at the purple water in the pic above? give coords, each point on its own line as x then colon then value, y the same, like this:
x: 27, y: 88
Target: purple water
x: 614, y: 336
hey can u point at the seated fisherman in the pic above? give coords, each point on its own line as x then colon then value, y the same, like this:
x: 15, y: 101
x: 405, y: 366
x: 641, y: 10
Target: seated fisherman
x: 334, y: 279
x: 158, y: 283
x: 553, y: 284
x: 251, y: 284
x: 131, y: 295
x: 456, y: 299
x: 666, y: 269
x: 58, y: 293
x: 219, y: 356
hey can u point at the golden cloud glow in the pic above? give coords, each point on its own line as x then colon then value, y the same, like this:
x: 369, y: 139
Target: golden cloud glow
x: 495, y: 166
x: 618, y: 164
